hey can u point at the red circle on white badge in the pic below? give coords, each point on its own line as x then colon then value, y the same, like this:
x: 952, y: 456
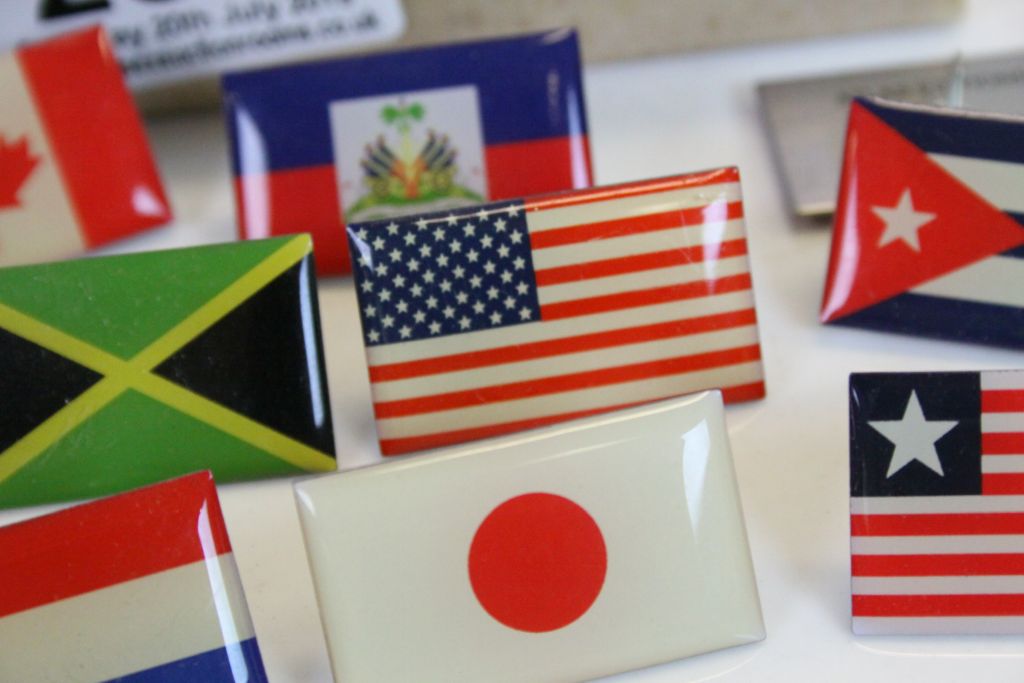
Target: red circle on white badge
x: 537, y: 562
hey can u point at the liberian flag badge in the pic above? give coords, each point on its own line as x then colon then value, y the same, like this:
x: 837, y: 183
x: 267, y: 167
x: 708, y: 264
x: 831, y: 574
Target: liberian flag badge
x: 518, y: 314
x: 929, y: 229
x: 560, y: 554
x: 76, y: 171
x: 119, y: 371
x: 937, y: 502
x: 139, y: 587
x: 317, y: 146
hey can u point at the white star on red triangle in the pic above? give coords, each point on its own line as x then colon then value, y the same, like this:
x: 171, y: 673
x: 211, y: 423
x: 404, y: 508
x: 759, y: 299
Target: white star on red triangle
x: 902, y: 222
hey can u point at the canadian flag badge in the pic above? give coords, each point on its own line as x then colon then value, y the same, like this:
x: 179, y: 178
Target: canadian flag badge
x: 16, y: 165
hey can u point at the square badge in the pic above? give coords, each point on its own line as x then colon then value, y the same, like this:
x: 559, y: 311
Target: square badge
x: 937, y: 502
x: 318, y: 146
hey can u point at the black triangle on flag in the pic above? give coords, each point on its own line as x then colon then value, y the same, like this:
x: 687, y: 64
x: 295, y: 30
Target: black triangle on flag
x: 35, y: 383
x: 265, y: 360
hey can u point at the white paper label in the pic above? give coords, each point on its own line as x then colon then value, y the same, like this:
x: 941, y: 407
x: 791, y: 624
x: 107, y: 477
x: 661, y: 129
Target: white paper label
x: 162, y: 41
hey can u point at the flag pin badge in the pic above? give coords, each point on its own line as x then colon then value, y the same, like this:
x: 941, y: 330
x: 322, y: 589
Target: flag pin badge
x: 565, y: 553
x: 937, y: 502
x: 141, y: 586
x: 64, y: 186
x: 929, y: 230
x: 318, y: 146
x: 518, y: 314
x: 125, y: 370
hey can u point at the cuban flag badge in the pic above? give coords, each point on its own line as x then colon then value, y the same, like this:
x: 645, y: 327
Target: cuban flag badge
x: 318, y: 146
x: 929, y: 231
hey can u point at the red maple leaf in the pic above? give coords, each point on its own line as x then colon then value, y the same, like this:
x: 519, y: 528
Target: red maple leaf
x: 16, y: 165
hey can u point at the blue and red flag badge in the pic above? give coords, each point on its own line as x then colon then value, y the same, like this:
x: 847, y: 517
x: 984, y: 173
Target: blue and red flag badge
x: 317, y: 146
x: 930, y: 224
x: 518, y: 314
x: 937, y: 502
x: 72, y: 177
x: 138, y: 587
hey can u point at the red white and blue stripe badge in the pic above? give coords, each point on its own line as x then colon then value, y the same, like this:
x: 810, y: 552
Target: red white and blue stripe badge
x: 317, y: 146
x: 138, y: 587
x: 76, y: 171
x: 937, y: 502
x: 929, y: 232
x: 514, y: 315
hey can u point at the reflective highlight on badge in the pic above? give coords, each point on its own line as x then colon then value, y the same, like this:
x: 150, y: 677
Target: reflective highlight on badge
x: 515, y: 315
x: 526, y: 558
x: 929, y: 226
x: 936, y: 511
x: 138, y: 587
x: 317, y: 146
x: 212, y: 355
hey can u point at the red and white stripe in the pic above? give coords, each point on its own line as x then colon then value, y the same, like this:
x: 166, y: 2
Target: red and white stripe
x: 645, y: 293
x: 121, y: 585
x: 937, y: 564
x: 1002, y: 433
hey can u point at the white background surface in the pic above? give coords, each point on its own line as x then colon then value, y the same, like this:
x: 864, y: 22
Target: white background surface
x: 651, y: 118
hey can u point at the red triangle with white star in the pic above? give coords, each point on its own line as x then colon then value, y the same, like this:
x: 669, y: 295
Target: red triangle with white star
x: 892, y: 198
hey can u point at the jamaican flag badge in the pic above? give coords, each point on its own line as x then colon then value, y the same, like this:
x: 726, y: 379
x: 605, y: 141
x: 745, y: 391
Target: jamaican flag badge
x: 121, y: 371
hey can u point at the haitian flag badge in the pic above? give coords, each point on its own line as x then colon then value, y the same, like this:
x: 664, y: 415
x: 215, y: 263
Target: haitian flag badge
x: 937, y: 502
x: 518, y: 314
x: 120, y: 371
x: 929, y: 229
x: 317, y: 146
x: 561, y: 554
x: 76, y: 171
x: 140, y: 587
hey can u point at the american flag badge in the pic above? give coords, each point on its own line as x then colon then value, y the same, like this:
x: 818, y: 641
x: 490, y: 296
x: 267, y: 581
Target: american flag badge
x: 141, y: 587
x: 518, y: 314
x: 937, y: 502
x: 929, y: 229
x: 318, y: 146
x: 76, y: 170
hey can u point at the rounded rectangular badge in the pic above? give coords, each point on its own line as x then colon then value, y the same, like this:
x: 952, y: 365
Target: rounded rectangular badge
x: 76, y: 171
x: 929, y: 230
x: 138, y: 587
x: 561, y: 554
x: 316, y: 146
x: 125, y: 370
x: 523, y: 313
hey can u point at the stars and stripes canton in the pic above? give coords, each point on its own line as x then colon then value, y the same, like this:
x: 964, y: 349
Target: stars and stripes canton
x: 445, y: 273
x: 520, y: 314
x: 937, y: 502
